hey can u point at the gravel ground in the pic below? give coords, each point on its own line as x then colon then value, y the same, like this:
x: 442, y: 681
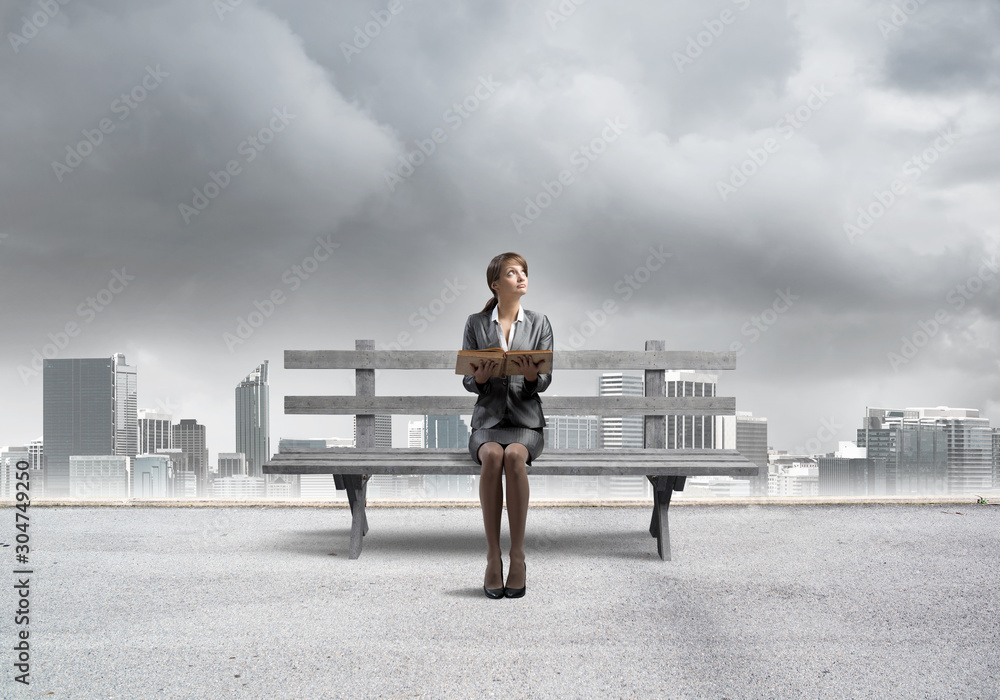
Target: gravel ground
x: 849, y: 601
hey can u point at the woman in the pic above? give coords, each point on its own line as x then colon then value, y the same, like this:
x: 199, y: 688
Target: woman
x: 507, y: 421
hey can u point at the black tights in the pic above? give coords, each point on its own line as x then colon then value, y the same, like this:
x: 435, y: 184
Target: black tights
x: 509, y: 461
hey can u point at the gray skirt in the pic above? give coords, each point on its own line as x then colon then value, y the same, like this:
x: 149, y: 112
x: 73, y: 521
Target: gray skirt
x: 505, y: 433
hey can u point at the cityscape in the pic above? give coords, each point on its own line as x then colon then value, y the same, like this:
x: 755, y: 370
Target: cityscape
x: 98, y: 444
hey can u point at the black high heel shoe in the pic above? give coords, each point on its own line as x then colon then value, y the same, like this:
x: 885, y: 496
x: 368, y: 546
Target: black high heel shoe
x: 496, y: 592
x: 517, y: 592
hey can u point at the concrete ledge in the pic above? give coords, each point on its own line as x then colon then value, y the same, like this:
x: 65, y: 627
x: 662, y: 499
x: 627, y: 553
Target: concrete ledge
x: 857, y: 600
x: 678, y: 501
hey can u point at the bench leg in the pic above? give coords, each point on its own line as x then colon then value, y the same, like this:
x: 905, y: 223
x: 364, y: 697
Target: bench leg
x: 659, y: 526
x: 357, y: 491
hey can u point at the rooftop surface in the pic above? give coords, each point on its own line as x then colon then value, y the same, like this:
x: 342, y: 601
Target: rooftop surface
x: 853, y: 600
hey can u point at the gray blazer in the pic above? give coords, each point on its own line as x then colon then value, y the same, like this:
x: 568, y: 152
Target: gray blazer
x: 512, y: 396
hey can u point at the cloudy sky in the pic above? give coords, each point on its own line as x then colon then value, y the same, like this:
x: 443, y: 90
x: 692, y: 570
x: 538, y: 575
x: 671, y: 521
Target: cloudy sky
x: 812, y: 184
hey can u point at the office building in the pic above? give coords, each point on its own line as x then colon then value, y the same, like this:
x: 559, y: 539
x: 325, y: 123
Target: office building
x: 185, y: 484
x: 930, y: 450
x: 389, y: 486
x: 688, y: 432
x: 253, y: 437
x: 283, y: 486
x: 567, y: 432
x: 415, y: 434
x: 189, y: 437
x: 152, y: 477
x: 791, y: 475
x: 316, y: 487
x: 996, y: 458
x: 155, y: 432
x: 449, y: 432
x: 99, y: 476
x: 126, y: 408
x: 232, y: 464
x: 445, y: 431
x: 239, y: 486
x: 846, y: 476
x: 747, y: 434
x: 794, y: 481
x: 9, y: 459
x: 622, y: 431
x: 179, y: 459
x: 571, y: 432
x: 78, y: 416
x: 35, y: 454
x: 715, y: 487
x: 751, y: 442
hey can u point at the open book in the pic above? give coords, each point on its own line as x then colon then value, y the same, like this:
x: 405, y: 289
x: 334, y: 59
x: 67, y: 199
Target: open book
x: 504, y: 366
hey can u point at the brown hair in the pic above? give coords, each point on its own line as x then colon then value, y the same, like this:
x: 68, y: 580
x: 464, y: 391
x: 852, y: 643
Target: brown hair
x: 493, y: 271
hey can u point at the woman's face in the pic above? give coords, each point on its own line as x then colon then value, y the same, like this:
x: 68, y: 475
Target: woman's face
x: 513, y: 281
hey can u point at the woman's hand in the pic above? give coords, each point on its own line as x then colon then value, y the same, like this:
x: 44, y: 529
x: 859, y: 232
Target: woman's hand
x: 484, y: 370
x: 528, y: 368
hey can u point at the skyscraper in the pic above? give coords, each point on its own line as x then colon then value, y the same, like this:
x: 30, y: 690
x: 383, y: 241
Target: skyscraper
x: 688, y: 432
x: 78, y: 415
x: 189, y: 437
x: 445, y: 432
x: 253, y: 436
x: 389, y: 485
x: 126, y: 408
x: 622, y: 431
x: 751, y: 442
x: 996, y: 458
x: 154, y: 431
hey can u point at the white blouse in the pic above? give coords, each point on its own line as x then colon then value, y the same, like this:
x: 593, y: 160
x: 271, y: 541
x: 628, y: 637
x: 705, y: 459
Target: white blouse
x: 513, y: 327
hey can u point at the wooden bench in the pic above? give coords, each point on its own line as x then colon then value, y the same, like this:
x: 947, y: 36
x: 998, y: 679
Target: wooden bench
x: 665, y: 469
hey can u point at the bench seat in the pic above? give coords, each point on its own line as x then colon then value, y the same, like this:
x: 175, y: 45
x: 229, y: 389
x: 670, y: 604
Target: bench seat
x: 578, y: 462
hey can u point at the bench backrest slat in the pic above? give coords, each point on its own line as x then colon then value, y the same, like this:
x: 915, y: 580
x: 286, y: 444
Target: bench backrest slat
x: 551, y: 405
x: 608, y: 360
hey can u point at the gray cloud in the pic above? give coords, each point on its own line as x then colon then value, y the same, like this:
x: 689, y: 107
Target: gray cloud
x: 509, y: 98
